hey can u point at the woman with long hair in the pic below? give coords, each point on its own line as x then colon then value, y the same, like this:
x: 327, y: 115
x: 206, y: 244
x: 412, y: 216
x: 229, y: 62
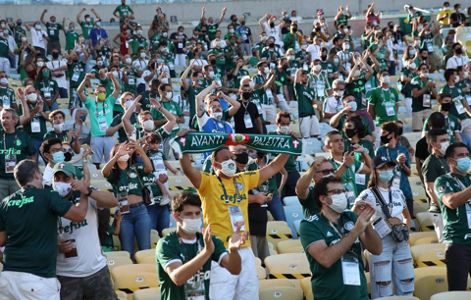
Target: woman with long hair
x: 128, y: 164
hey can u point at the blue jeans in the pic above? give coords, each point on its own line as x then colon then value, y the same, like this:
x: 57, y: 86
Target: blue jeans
x: 276, y: 209
x: 159, y: 216
x: 135, y: 225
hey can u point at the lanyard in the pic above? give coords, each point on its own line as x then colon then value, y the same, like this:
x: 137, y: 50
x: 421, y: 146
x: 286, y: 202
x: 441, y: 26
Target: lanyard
x: 5, y: 141
x: 226, y: 197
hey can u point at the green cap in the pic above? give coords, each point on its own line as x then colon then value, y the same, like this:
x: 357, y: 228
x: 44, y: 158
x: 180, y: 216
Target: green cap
x: 66, y: 168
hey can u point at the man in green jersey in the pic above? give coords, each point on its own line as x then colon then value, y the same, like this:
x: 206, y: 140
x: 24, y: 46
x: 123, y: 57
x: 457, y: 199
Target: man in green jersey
x: 184, y: 257
x: 331, y: 240
x: 52, y: 28
x: 454, y: 193
x: 123, y: 12
x: 28, y: 218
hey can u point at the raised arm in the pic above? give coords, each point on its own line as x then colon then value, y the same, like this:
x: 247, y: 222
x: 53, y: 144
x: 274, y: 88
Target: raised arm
x: 79, y: 15
x: 127, y: 116
x: 223, y: 13
x: 185, y: 76
x: 302, y: 186
x: 272, y: 168
x: 235, y: 105
x: 199, y: 99
x: 81, y: 87
x: 116, y: 85
x: 95, y: 13
x: 42, y: 16
x: 25, y: 118
x: 193, y: 174
x: 78, y: 211
x: 171, y: 118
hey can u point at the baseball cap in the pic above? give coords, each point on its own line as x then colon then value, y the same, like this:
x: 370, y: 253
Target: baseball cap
x: 380, y: 161
x: 66, y: 168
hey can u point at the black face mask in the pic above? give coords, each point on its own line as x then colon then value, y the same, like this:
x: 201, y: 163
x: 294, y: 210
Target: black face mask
x: 285, y: 67
x: 272, y: 25
x: 445, y: 106
x: 55, y: 55
x: 271, y: 45
x: 246, y: 95
x: 400, y: 130
x: 424, y: 57
x: 68, y: 156
x: 385, y: 139
x: 350, y: 132
x: 294, y: 29
x: 459, y: 51
x: 212, y: 61
x: 324, y: 57
x: 242, y: 158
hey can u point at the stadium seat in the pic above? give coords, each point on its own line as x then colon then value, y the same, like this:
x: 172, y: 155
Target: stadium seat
x: 145, y: 256
x: 288, y: 266
x: 427, y: 240
x: 261, y: 273
x: 131, y: 278
x: 258, y: 261
x: 428, y: 255
x: 294, y: 213
x: 420, y: 205
x: 425, y: 221
x: 430, y: 281
x: 414, y: 236
x: 280, y: 293
x: 277, y: 231
x: 289, y: 246
x: 307, y: 288
x: 291, y: 200
x: 118, y: 261
x: 154, y: 238
x: 112, y: 254
x: 454, y: 295
x: 271, y: 249
x: 147, y: 294
x: 121, y: 295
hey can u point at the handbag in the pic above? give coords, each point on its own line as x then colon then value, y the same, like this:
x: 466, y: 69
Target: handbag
x: 399, y: 232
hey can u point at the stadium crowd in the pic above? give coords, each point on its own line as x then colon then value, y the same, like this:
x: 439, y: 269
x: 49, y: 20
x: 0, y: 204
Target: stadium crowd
x: 235, y: 109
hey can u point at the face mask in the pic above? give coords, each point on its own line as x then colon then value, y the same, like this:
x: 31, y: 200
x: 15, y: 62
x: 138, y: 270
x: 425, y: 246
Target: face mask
x: 4, y: 81
x: 339, y: 202
x: 87, y: 20
x: 272, y: 25
x: 443, y: 147
x: 101, y: 96
x: 115, y: 74
x: 339, y: 93
x: 72, y: 29
x: 350, y: 132
x: 62, y: 188
x: 446, y: 106
x: 169, y: 95
x: 317, y: 68
x: 98, y: 24
x: 128, y: 60
x: 58, y: 127
x: 40, y: 64
x: 58, y: 157
x: 148, y: 125
x: 217, y: 115
x: 466, y: 74
x: 228, y: 168
x: 23, y: 39
x: 412, y: 66
x: 124, y: 157
x: 283, y: 129
x: 462, y: 164
x: 291, y: 57
x: 38, y: 27
x: 386, y: 79
x: 68, y: 156
x: 425, y: 75
x: 211, y: 74
x: 267, y: 71
x: 385, y: 139
x: 45, y: 73
x: 242, y: 158
x: 128, y: 104
x: 459, y: 51
x: 231, y: 30
x: 336, y: 61
x: 142, y: 55
x: 55, y: 55
x: 139, y: 32
x: 32, y: 97
x: 99, y: 63
x: 385, y: 176
x: 400, y: 130
x: 323, y: 57
x: 353, y: 105
x: 191, y: 226
x: 346, y: 47
x: 457, y: 79
x: 246, y: 95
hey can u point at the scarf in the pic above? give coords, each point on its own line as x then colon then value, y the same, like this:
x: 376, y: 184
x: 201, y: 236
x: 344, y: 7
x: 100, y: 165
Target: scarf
x: 199, y: 142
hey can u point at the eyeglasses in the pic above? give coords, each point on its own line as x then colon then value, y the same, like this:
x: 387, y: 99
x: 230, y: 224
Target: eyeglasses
x: 336, y: 192
x: 326, y: 171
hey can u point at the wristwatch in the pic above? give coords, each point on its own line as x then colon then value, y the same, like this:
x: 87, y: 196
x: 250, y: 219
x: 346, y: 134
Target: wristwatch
x: 90, y: 190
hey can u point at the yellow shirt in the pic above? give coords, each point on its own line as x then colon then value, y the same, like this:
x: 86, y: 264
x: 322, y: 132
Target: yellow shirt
x: 442, y: 13
x: 215, y: 207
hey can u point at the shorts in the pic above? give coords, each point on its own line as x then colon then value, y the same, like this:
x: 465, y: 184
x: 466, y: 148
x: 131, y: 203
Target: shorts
x: 101, y: 147
x: 20, y: 285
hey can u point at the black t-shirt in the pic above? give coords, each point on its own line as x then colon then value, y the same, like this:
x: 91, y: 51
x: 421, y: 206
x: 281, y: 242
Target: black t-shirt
x: 434, y: 167
x: 457, y: 18
x: 179, y: 42
x: 258, y: 219
x: 421, y: 149
x: 240, y: 125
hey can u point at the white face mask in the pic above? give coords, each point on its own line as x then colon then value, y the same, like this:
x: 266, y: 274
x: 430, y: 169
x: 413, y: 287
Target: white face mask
x: 37, y: 26
x: 443, y: 147
x: 115, y: 74
x: 211, y: 74
x: 267, y: 71
x: 339, y: 93
x: 128, y: 104
x: 386, y: 79
x: 62, y: 188
x: 317, y: 68
x: 4, y: 81
x: 191, y: 226
x: 32, y: 97
x: 142, y: 55
x: 283, y: 129
x: 228, y: 168
x: 124, y: 157
x: 217, y: 115
x: 99, y: 63
x: 128, y: 60
x: 164, y: 80
x: 58, y: 127
x: 139, y: 32
x: 339, y: 202
x: 346, y: 47
x: 169, y: 95
x: 148, y: 125
x: 457, y: 79
x: 40, y: 64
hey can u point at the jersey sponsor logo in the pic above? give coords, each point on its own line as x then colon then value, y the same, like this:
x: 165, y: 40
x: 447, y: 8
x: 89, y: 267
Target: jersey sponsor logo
x: 20, y: 202
x: 11, y: 151
x: 73, y: 226
x: 233, y: 198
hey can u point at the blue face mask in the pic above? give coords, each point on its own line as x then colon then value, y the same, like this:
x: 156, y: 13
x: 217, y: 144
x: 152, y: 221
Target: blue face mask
x: 385, y: 176
x: 462, y: 164
x: 58, y: 157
